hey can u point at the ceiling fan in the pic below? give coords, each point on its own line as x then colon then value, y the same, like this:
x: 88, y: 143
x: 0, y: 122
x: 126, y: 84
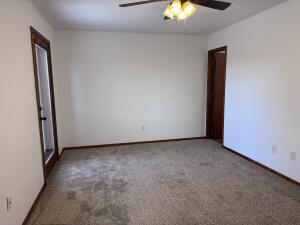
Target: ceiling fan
x: 182, y: 9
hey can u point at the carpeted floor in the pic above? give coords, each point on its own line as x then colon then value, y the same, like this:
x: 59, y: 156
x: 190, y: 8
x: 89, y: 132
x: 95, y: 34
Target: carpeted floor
x: 173, y: 183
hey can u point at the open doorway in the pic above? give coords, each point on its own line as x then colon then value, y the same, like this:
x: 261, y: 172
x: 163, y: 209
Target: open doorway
x: 45, y: 99
x: 216, y: 80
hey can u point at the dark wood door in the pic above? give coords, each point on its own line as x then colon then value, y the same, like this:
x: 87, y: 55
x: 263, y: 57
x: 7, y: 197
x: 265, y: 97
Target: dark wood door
x: 41, y: 53
x: 218, y: 96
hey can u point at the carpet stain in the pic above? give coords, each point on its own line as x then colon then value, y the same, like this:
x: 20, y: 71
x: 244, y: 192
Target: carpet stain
x: 113, y: 185
x: 181, y: 173
x: 206, y: 164
x: 221, y: 197
x: 71, y: 195
x: 113, y: 214
x: 119, y: 185
x: 100, y: 185
x: 186, y: 221
x: 85, y: 207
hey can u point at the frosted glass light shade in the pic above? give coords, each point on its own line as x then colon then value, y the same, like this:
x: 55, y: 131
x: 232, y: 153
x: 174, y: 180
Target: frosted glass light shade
x: 189, y: 9
x: 182, y: 16
x: 168, y: 13
x: 176, y: 7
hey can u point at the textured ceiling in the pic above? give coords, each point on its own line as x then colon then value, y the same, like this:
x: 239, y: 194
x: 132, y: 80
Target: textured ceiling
x: 105, y: 15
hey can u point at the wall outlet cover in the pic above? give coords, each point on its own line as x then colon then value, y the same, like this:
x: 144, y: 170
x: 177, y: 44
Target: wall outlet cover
x: 8, y: 202
x: 293, y: 155
x: 274, y: 149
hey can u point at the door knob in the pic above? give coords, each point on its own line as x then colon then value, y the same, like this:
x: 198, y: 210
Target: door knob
x: 43, y: 118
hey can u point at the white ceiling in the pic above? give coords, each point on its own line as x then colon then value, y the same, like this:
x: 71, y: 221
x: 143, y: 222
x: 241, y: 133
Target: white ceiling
x: 105, y: 15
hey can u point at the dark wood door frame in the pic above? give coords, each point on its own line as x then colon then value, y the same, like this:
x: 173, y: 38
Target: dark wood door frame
x: 209, y: 103
x: 38, y: 39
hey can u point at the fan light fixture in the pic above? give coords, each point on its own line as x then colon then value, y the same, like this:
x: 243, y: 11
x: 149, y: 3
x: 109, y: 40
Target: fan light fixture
x: 176, y: 7
x: 168, y: 12
x: 178, y: 11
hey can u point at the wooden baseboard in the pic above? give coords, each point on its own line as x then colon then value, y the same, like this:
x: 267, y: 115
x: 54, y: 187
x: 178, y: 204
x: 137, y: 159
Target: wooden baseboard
x: 263, y: 166
x: 61, y: 154
x: 34, y: 205
x: 131, y: 143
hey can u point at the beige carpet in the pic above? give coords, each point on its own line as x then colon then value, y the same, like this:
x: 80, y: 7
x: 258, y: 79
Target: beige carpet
x: 173, y: 183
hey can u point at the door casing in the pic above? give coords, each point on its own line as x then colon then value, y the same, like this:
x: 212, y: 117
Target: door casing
x: 38, y: 39
x: 209, y: 102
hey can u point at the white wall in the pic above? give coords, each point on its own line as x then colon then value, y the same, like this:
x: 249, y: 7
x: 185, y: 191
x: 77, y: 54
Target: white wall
x: 21, y: 173
x: 113, y: 83
x: 262, y: 93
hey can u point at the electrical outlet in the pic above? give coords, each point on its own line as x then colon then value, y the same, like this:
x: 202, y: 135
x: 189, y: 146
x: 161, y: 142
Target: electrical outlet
x: 143, y: 127
x: 274, y: 149
x: 293, y: 155
x: 8, y: 203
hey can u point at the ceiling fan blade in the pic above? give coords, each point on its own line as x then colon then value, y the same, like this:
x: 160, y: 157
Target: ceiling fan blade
x: 140, y: 3
x: 212, y: 4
